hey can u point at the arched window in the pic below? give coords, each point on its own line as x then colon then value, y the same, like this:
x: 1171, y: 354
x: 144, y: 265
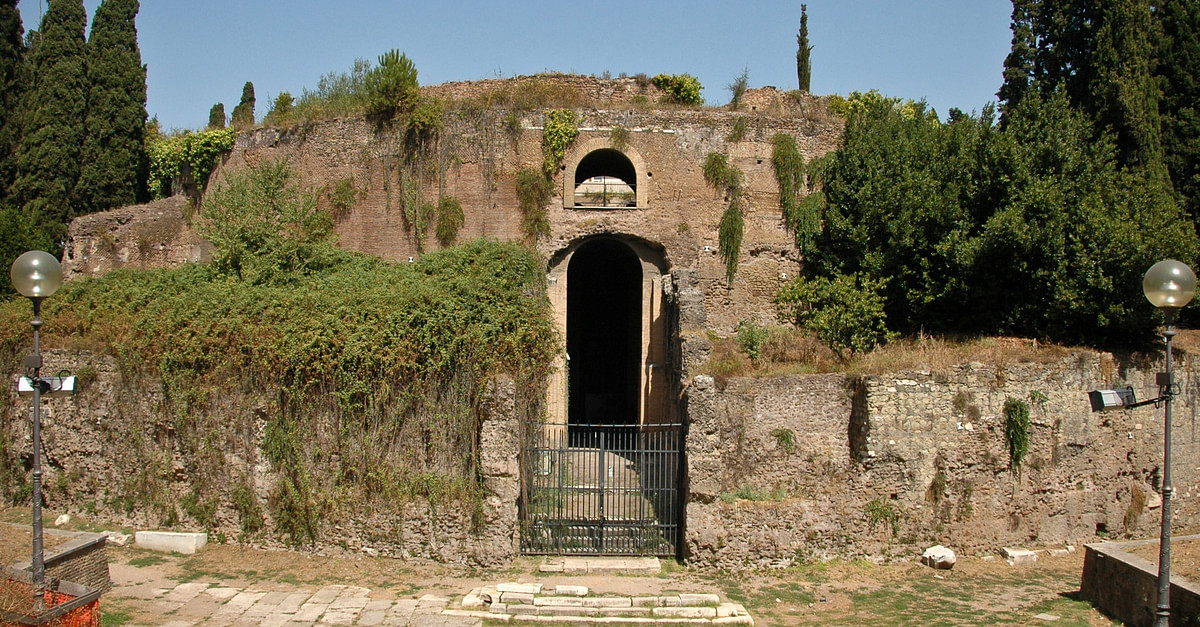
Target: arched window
x: 605, y: 178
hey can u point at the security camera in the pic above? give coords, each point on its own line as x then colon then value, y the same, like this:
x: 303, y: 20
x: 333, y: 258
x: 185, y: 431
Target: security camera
x: 1105, y: 400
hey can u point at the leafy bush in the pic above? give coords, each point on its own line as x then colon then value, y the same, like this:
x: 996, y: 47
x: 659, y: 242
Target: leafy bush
x: 337, y: 93
x: 737, y: 131
x: 265, y: 228
x: 737, y: 89
x: 392, y: 85
x: 680, y: 88
x: 751, y: 337
x: 282, y: 110
x: 846, y: 312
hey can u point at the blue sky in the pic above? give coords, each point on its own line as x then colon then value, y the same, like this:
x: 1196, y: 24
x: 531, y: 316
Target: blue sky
x: 200, y: 52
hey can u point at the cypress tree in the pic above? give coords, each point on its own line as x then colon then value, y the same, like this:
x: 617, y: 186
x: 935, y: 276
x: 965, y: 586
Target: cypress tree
x: 52, y: 126
x: 113, y: 170
x: 1178, y: 73
x: 216, y: 116
x: 243, y: 113
x: 803, y: 65
x: 1123, y: 91
x: 1018, y: 65
x: 12, y: 49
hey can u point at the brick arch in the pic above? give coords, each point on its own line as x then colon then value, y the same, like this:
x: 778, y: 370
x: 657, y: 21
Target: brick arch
x: 581, y: 150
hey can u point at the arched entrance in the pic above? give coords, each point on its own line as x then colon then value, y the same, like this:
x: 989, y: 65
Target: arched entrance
x: 604, y: 310
x: 602, y: 474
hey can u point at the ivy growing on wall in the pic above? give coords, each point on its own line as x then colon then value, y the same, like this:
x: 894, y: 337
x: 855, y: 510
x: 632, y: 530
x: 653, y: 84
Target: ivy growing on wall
x: 801, y: 215
x: 1016, y: 430
x: 558, y: 133
x: 726, y: 177
x: 197, y: 151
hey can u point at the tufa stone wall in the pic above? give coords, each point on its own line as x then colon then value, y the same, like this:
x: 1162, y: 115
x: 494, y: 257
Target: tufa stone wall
x: 119, y: 450
x: 876, y: 465
x: 154, y: 235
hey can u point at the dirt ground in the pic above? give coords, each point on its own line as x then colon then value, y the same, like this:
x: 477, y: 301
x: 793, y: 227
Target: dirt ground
x: 980, y: 590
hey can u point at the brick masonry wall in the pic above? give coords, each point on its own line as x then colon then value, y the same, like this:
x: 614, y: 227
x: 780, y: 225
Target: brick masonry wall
x: 928, y: 447
x: 477, y: 161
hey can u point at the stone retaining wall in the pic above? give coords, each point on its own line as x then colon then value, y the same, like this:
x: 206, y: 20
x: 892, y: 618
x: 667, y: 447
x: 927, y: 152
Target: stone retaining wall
x: 1125, y: 586
x: 803, y: 466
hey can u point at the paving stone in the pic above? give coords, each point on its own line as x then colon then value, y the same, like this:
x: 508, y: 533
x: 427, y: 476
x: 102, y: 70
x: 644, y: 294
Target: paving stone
x: 432, y: 600
x: 185, y: 592
x: 327, y: 594
x: 292, y: 602
x: 698, y: 599
x: 222, y: 594
x: 310, y: 611
x: 576, y: 591
x: 338, y: 617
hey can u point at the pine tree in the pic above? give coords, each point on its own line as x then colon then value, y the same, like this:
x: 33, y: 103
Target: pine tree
x: 114, y: 165
x: 52, y: 126
x: 1178, y: 73
x: 12, y: 49
x: 243, y: 113
x: 803, y: 50
x: 216, y: 116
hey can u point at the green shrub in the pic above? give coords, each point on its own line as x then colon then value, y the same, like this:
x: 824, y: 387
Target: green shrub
x: 737, y: 89
x: 846, y: 312
x: 282, y: 110
x: 881, y: 512
x: 737, y: 132
x: 680, y: 88
x: 751, y: 338
x: 336, y: 94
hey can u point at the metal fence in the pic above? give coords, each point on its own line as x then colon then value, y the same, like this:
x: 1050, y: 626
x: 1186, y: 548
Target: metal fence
x: 602, y: 490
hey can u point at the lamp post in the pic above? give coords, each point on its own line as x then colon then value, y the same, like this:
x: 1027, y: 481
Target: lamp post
x: 36, y: 275
x: 1168, y: 285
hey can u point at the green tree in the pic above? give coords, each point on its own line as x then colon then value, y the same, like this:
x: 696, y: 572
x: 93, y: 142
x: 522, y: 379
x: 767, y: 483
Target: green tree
x: 114, y: 165
x: 1178, y: 75
x: 216, y: 117
x: 12, y: 50
x: 803, y: 52
x: 243, y: 113
x: 19, y: 232
x: 1123, y: 89
x: 53, y: 124
x: 392, y: 86
x: 281, y: 109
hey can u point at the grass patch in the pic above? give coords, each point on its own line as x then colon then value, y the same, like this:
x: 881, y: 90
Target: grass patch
x: 146, y: 560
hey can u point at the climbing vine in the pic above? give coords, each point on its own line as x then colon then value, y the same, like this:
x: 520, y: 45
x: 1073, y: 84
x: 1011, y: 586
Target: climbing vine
x: 558, y: 133
x: 198, y: 151
x: 1016, y: 430
x: 725, y: 177
x: 801, y: 215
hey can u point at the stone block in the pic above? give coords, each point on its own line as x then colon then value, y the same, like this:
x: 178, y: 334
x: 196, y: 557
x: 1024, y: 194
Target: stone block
x: 938, y: 557
x: 186, y: 543
x: 1019, y: 557
x: 699, y: 599
x: 607, y: 602
x: 574, y: 591
x: 526, y: 588
x: 559, y: 601
x: 524, y: 598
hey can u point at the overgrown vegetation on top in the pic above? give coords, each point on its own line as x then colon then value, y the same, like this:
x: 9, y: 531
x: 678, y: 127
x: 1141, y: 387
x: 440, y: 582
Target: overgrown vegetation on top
x: 373, y: 374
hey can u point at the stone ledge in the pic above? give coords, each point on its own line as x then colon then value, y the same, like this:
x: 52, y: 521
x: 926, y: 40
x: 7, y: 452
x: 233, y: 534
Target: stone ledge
x: 508, y: 602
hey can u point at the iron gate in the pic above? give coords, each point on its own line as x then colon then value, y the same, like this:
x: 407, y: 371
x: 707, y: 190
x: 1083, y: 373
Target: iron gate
x: 602, y: 490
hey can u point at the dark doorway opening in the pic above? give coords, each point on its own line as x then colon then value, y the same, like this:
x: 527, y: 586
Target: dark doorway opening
x: 604, y: 309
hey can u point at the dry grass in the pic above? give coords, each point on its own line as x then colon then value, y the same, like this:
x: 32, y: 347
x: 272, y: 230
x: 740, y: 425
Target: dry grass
x: 788, y: 350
